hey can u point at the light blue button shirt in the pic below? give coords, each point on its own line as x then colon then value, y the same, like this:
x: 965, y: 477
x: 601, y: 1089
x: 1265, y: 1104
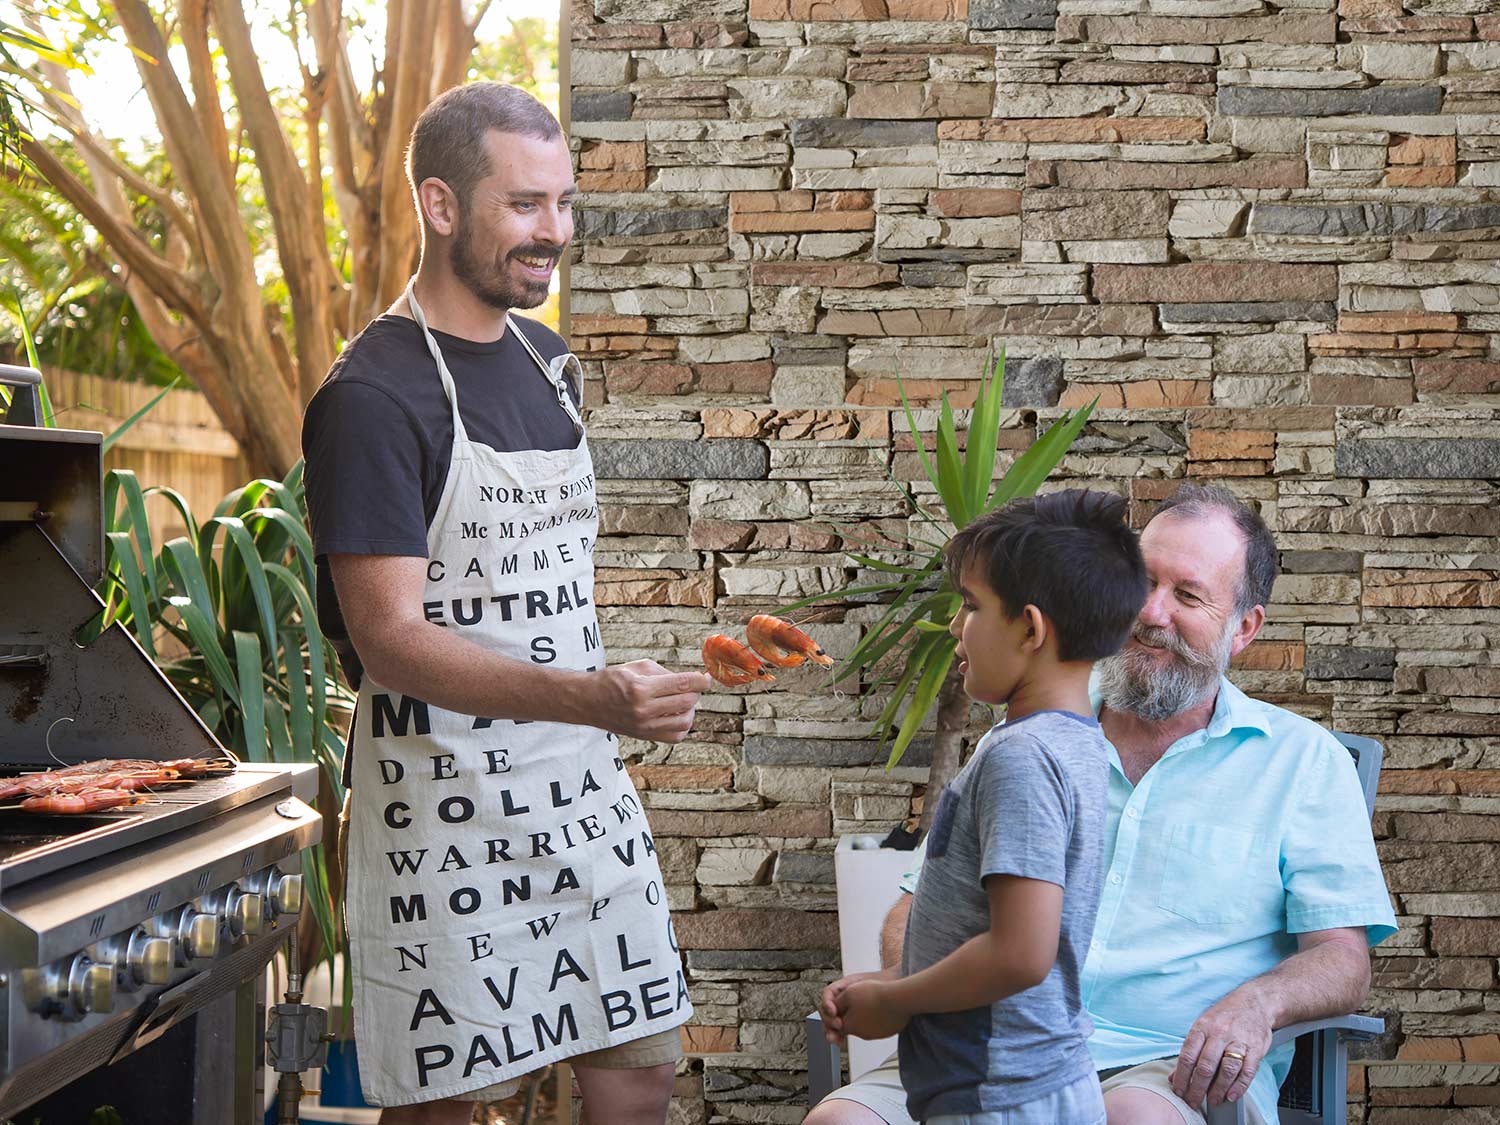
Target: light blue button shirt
x: 1243, y: 835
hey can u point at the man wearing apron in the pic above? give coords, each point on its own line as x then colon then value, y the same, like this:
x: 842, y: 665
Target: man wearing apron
x: 504, y: 902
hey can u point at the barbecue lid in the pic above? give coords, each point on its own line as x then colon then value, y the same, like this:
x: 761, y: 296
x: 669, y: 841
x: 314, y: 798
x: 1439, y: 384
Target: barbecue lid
x: 61, y: 701
x: 53, y: 478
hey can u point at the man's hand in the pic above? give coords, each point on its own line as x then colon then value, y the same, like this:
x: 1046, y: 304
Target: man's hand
x: 644, y: 700
x: 828, y: 1003
x: 1223, y: 1051
x: 866, y: 1009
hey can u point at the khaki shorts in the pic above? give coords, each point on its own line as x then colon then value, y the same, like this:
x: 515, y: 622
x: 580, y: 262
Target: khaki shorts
x: 1156, y: 1076
x: 650, y: 1050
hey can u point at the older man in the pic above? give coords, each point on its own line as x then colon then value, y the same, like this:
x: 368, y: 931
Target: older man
x: 1241, y: 888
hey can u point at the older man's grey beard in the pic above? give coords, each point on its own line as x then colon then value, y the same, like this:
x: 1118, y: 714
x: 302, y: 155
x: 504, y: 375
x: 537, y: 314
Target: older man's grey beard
x: 1131, y: 680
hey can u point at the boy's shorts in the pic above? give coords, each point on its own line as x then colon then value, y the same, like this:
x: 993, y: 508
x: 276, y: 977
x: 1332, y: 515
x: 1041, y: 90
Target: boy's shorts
x: 649, y: 1050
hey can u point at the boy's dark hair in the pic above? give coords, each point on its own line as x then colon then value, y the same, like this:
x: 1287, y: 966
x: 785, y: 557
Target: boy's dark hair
x: 1254, y: 586
x: 447, y: 142
x: 1068, y: 553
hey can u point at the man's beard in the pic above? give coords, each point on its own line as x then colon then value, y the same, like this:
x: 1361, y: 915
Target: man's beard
x: 1131, y: 680
x: 490, y: 280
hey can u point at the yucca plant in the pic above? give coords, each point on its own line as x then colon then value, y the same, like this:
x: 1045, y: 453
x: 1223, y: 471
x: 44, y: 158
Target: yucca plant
x: 909, y: 649
x: 227, y: 612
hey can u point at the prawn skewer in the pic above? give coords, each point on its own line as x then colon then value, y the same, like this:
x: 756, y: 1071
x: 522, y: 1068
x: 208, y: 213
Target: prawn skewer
x: 731, y: 663
x: 782, y: 643
x: 84, y: 801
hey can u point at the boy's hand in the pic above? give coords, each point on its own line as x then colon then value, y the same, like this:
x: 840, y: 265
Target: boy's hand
x: 828, y: 1005
x: 868, y: 1010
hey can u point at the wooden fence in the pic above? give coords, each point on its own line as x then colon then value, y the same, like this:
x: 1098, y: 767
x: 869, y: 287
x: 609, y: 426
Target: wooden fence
x: 179, y: 444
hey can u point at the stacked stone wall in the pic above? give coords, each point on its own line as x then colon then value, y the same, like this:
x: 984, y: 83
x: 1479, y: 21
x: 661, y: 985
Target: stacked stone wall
x: 1263, y: 236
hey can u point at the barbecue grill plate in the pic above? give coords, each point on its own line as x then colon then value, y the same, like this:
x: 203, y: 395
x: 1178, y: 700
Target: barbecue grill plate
x: 175, y: 808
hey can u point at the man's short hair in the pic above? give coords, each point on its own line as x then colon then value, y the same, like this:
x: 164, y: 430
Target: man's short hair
x: 448, y: 140
x: 1254, y: 587
x: 1070, y: 554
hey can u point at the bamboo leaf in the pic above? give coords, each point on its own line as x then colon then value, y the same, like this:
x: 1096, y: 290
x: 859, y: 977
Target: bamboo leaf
x: 891, y: 568
x: 124, y: 427
x: 949, y: 482
x: 984, y: 435
x: 1034, y: 466
x: 931, y: 683
x: 127, y: 570
x: 254, y: 572
x: 252, y: 698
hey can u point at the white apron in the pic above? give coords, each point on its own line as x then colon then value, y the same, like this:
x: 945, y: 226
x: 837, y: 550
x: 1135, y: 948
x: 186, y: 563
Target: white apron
x: 505, y: 906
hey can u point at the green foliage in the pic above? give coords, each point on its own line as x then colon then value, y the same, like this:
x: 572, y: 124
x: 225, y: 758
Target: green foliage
x: 228, y: 614
x: 83, y: 320
x: 910, y: 649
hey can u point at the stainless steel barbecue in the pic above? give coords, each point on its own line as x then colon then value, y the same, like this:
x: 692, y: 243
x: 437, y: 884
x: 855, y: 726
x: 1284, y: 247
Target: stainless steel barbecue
x: 117, y: 925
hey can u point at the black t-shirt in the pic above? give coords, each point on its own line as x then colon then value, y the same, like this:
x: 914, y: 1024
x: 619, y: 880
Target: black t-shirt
x: 378, y: 438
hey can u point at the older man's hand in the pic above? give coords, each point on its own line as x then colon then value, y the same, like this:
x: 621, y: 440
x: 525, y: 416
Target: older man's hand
x: 1223, y: 1051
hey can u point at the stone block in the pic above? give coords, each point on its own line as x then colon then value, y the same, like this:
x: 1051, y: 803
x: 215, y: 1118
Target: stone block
x: 840, y: 132
x: 1248, y: 312
x: 1032, y: 382
x: 1378, y: 101
x: 1062, y: 320
x: 1066, y: 215
x: 680, y: 460
x: 1257, y: 172
x: 914, y: 100
x: 1012, y: 15
x: 1206, y: 218
x: 757, y: 929
x: 595, y: 224
x: 1215, y: 281
x: 1325, y: 662
x: 1473, y: 458
x: 749, y: 500
x: 1293, y: 29
x: 1074, y: 130
x: 804, y: 867
x: 734, y: 867
x: 1260, y: 354
x: 613, y: 106
x: 1399, y: 60
x: 776, y: 750
x: 968, y: 203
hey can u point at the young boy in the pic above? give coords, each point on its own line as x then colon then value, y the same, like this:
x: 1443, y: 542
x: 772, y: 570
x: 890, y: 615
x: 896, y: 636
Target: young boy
x: 987, y: 1002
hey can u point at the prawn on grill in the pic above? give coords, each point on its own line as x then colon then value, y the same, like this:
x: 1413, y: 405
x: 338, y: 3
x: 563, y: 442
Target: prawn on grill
x: 84, y: 801
x: 782, y: 643
x: 731, y: 663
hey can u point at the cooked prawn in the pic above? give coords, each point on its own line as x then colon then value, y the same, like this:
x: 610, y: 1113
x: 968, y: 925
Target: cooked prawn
x: 85, y: 801
x: 782, y: 643
x: 731, y: 663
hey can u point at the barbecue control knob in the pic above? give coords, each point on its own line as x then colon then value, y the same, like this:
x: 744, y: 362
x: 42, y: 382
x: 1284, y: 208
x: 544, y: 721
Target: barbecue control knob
x: 138, y: 957
x: 283, y: 893
x: 194, y: 935
x: 91, y: 986
x: 150, y: 959
x: 244, y: 914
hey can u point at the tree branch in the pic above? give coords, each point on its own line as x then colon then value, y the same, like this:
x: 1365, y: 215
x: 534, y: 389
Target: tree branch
x: 123, y: 239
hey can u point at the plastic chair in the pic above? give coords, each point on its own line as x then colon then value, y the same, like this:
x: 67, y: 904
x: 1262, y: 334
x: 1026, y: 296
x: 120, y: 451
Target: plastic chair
x: 1316, y: 1087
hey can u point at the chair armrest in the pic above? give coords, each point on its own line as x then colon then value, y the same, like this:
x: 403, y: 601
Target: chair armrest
x: 1349, y: 1027
x: 823, y: 1062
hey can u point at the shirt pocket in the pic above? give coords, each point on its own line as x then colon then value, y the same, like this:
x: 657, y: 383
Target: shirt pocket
x: 942, y: 823
x: 1214, y: 874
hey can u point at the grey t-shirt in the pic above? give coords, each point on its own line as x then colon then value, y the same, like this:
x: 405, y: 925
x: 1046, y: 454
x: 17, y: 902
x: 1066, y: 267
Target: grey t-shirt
x: 1031, y: 802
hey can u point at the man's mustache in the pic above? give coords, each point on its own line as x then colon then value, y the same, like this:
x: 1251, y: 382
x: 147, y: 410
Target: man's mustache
x: 1154, y: 636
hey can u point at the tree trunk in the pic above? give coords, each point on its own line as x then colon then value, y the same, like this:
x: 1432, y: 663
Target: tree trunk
x: 947, y: 744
